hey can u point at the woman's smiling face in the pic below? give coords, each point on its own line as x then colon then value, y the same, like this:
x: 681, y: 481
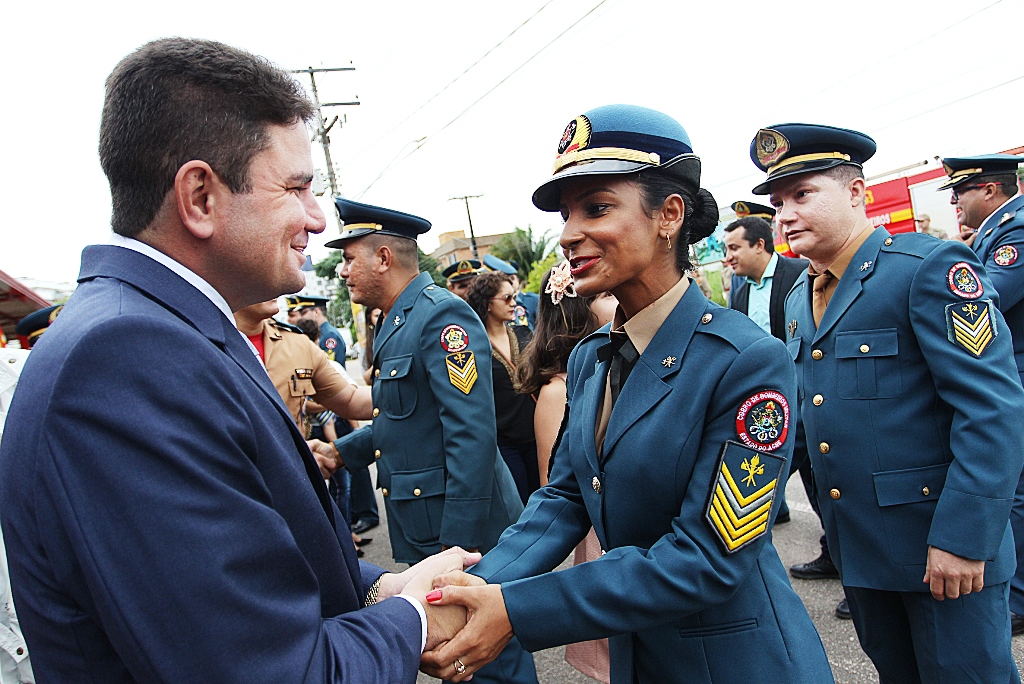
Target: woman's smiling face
x: 608, y: 238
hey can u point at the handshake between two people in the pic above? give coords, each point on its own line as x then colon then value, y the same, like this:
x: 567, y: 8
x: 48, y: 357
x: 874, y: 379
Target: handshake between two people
x: 467, y: 624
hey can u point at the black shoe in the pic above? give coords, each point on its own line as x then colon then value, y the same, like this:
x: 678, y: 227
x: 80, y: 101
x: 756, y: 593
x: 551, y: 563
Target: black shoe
x: 364, y: 541
x: 843, y: 610
x: 361, y: 526
x: 782, y: 518
x: 1016, y: 624
x: 819, y: 568
x: 359, y: 553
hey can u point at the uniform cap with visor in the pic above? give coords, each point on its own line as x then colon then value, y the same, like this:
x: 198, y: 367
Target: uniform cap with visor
x: 789, y: 149
x: 963, y: 169
x: 616, y: 140
x: 365, y: 219
x: 753, y: 209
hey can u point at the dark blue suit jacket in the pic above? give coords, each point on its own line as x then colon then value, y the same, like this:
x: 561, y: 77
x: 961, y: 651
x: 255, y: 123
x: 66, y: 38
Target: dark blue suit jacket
x: 678, y: 606
x: 1000, y: 246
x: 915, y: 440
x: 164, y: 519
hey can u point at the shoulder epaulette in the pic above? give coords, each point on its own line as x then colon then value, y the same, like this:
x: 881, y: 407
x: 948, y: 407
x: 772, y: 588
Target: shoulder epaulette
x: 914, y: 244
x: 285, y: 326
x: 731, y: 326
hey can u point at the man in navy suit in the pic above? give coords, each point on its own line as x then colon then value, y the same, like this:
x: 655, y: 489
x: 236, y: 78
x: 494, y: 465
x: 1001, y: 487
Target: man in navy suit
x: 170, y: 524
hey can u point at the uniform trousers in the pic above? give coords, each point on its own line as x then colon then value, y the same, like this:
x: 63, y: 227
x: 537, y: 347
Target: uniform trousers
x: 912, y: 638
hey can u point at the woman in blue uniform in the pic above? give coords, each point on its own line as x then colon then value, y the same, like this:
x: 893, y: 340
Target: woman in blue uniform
x: 678, y: 430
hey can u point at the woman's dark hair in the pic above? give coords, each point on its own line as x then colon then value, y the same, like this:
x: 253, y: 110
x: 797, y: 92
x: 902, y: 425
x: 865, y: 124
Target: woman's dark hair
x: 485, y: 286
x: 700, y: 217
x: 309, y: 328
x: 558, y: 330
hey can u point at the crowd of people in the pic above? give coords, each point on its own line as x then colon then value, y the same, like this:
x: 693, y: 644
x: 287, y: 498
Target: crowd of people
x: 203, y: 523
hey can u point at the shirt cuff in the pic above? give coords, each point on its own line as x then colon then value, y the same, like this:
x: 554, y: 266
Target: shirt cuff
x: 423, y: 618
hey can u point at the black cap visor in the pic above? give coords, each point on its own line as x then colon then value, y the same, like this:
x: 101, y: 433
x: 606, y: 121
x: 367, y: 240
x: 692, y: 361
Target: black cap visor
x: 797, y: 169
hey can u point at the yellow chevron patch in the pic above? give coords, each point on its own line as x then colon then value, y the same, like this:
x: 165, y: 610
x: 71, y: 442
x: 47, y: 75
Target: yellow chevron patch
x: 739, y: 511
x: 461, y: 370
x: 970, y: 325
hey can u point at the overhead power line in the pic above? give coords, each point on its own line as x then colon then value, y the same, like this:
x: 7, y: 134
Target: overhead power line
x: 488, y: 92
x: 452, y: 82
x: 950, y: 103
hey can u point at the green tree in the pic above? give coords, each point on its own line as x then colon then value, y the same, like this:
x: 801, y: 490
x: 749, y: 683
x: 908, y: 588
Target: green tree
x: 533, y: 281
x: 428, y: 264
x: 339, y: 310
x: 522, y: 247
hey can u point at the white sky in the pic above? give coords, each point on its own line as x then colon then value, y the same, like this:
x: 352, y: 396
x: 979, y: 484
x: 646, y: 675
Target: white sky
x: 723, y: 69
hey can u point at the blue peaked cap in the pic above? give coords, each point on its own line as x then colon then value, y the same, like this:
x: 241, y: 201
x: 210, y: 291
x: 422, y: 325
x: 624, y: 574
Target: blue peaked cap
x: 962, y: 169
x: 365, y: 219
x: 794, y: 148
x: 495, y: 264
x: 619, y: 139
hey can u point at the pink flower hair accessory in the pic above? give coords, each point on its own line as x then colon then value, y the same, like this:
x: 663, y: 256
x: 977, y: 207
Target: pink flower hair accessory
x: 560, y: 283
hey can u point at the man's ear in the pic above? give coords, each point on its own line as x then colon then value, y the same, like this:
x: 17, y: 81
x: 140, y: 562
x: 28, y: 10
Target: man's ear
x: 858, y: 192
x: 196, y: 188
x: 385, y: 259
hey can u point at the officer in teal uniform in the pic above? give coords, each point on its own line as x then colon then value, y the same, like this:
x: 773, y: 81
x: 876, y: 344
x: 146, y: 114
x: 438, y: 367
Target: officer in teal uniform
x: 35, y: 324
x: 315, y: 309
x: 677, y: 436
x: 460, y: 276
x: 911, y: 406
x: 985, y: 190
x: 433, y: 437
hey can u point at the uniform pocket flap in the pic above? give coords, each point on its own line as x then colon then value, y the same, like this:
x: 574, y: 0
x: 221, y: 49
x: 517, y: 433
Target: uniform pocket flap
x: 895, y: 487
x: 856, y: 344
x: 794, y: 348
x: 417, y: 484
x: 397, y: 367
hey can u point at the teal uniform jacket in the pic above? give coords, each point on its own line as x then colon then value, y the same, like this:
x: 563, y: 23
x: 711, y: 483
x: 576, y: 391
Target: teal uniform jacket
x: 332, y: 343
x: 912, y: 409
x: 1000, y: 246
x: 434, y: 434
x: 677, y: 603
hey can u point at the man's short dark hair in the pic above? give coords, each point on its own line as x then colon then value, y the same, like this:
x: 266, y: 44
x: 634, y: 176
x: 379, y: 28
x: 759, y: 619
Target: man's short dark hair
x: 754, y: 229
x: 311, y: 329
x: 403, y: 249
x: 844, y: 173
x: 174, y: 100
x: 1007, y: 182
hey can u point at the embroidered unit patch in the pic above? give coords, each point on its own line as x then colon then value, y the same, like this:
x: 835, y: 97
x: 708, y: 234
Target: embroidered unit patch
x: 970, y: 325
x: 1005, y: 256
x: 763, y: 421
x: 454, y: 338
x: 741, y: 496
x: 304, y: 373
x: 461, y: 370
x: 964, y: 282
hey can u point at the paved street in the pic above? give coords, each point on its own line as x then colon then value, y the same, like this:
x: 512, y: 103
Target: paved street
x: 796, y: 541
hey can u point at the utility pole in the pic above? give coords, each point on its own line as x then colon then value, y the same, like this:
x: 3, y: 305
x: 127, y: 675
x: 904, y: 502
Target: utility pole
x: 323, y: 127
x: 472, y: 236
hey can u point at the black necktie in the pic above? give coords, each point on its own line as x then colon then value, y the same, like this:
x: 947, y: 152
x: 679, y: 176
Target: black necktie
x: 623, y: 356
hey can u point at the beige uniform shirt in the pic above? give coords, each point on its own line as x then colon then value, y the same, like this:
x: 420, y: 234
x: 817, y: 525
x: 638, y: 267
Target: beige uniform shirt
x: 641, y: 329
x: 299, y: 369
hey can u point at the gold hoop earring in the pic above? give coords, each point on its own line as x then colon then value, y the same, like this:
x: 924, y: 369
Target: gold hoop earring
x: 668, y: 238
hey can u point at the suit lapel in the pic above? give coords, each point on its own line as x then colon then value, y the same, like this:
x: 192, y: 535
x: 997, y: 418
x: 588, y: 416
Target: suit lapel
x: 849, y: 288
x: 662, y: 359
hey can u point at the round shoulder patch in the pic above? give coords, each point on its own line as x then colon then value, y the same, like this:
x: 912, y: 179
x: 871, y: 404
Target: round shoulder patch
x: 1005, y: 256
x: 330, y: 343
x: 964, y: 282
x: 454, y: 338
x: 763, y: 421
